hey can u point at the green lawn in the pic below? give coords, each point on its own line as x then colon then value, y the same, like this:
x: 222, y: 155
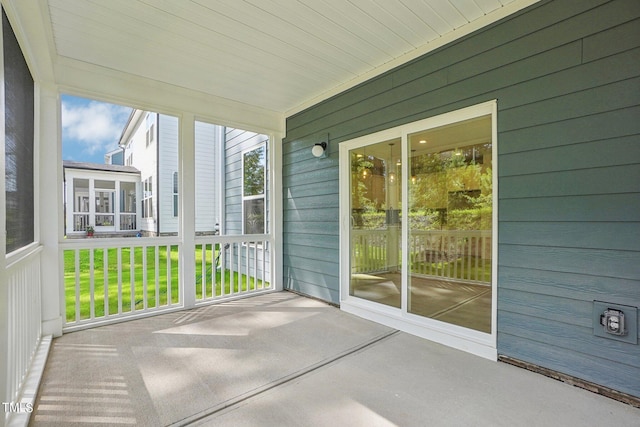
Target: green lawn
x: 158, y: 287
x: 239, y: 281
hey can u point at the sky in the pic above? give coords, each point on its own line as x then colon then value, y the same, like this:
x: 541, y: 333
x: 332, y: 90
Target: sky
x: 90, y: 128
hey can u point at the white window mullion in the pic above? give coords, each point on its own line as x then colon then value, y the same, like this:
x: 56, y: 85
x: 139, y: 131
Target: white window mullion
x: 406, y: 177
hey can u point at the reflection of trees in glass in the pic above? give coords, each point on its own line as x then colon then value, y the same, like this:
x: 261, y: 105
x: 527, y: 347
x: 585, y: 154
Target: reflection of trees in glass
x: 368, y: 195
x: 254, y: 166
x: 361, y: 169
x: 254, y: 170
x: 452, y: 189
x: 254, y: 216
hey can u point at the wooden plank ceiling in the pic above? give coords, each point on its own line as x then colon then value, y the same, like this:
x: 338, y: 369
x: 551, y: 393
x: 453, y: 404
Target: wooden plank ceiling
x: 275, y: 54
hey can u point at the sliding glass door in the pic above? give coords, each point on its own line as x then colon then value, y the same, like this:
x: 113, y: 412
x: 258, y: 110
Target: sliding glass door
x: 450, y: 217
x: 375, y: 202
x: 418, y: 215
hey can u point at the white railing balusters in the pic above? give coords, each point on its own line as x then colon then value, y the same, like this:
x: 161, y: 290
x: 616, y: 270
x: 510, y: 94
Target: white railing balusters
x: 83, y: 270
x: 23, y: 321
x: 156, y: 253
x: 232, y: 281
x: 454, y: 254
x: 119, y: 261
x: 214, y: 268
x: 92, y: 290
x: 105, y: 269
x: 238, y: 265
x: 77, y: 263
x: 145, y: 278
x: 237, y: 262
x: 132, y: 280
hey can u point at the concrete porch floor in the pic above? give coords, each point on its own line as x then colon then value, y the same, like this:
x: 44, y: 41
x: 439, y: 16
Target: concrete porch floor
x: 285, y: 360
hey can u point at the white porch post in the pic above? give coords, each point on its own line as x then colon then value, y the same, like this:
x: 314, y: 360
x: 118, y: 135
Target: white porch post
x: 187, y: 200
x: 116, y: 207
x: 276, y: 211
x: 51, y: 212
x: 92, y: 202
x: 139, y: 206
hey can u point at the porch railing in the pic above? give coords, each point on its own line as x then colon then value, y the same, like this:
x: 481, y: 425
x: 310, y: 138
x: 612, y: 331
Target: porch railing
x: 107, y: 280
x: 369, y: 251
x: 24, y: 320
x: 104, y: 220
x: 128, y: 221
x: 229, y: 266
x: 454, y: 254
x: 80, y: 221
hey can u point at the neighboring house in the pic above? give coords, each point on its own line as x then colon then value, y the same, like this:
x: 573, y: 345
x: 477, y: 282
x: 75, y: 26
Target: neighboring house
x: 114, y: 157
x: 145, y: 167
x: 101, y: 196
x: 149, y: 142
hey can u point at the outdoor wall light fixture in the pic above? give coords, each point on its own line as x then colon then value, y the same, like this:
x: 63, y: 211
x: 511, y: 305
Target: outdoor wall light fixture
x: 319, y: 149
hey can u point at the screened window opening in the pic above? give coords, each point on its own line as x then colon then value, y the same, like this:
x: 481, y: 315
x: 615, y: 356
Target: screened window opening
x: 19, y: 144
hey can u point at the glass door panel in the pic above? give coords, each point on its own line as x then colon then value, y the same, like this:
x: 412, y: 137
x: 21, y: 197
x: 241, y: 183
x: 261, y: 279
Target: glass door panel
x: 450, y: 223
x: 375, y: 229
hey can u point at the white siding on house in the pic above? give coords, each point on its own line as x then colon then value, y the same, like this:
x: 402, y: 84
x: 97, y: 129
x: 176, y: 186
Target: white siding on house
x: 158, y: 158
x: 168, y: 128
x: 208, y: 141
x: 143, y: 157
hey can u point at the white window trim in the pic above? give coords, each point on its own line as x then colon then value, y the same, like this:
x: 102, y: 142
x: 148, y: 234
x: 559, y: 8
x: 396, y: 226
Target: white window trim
x: 478, y: 343
x: 147, y: 195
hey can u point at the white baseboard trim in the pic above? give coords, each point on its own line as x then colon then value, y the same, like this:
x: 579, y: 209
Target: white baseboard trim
x: 29, y: 391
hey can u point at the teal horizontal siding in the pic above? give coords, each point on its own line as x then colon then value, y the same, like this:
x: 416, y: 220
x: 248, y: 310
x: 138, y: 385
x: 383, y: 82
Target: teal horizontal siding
x: 603, y: 207
x: 594, y: 154
x: 581, y: 365
x: 572, y: 182
x: 597, y: 262
x: 546, y: 315
x: 605, y: 125
x: 566, y: 77
x: 591, y: 235
x: 576, y: 286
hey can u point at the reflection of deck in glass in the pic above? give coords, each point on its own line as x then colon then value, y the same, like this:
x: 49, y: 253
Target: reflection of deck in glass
x: 459, y: 303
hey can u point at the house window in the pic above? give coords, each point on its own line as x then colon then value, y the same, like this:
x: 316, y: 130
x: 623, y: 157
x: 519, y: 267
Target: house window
x: 128, y: 197
x: 150, y: 129
x: 147, y: 199
x: 175, y: 194
x: 19, y: 147
x: 253, y: 190
x: 104, y: 203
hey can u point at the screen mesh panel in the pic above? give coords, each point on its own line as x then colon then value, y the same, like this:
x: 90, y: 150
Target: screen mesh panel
x: 18, y: 99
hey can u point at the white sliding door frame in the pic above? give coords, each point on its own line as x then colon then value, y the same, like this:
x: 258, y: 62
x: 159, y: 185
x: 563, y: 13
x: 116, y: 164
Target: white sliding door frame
x: 469, y: 340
